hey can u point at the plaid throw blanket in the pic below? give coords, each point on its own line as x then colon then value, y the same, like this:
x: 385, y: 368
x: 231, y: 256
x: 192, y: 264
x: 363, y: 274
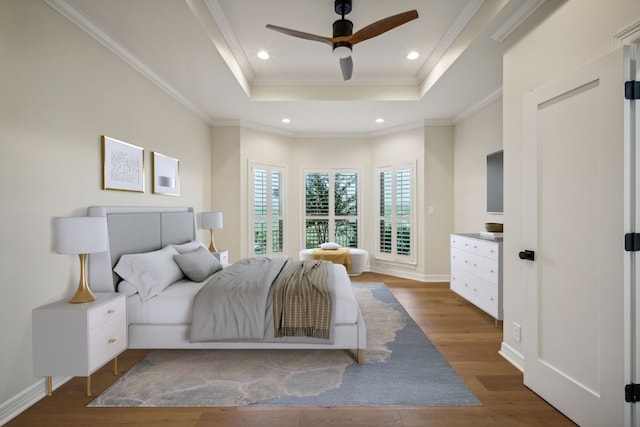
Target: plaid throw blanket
x: 302, y: 301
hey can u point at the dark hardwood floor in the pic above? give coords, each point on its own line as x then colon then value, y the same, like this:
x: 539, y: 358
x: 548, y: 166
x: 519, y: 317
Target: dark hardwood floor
x: 467, y: 337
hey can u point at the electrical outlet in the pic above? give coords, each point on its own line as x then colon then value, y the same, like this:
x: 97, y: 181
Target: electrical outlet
x: 516, y: 332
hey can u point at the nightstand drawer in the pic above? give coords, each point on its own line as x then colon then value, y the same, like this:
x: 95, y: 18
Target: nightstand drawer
x: 107, y: 341
x: 107, y: 312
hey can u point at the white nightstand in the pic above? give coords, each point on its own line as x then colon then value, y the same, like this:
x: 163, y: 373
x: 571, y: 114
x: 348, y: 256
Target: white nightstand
x: 223, y: 256
x: 78, y: 339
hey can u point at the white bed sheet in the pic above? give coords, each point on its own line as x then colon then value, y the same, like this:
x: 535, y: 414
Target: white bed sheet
x: 174, y: 304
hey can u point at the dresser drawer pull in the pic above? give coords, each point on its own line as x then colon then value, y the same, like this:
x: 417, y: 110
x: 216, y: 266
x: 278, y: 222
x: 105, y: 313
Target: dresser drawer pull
x: 112, y: 340
x: 111, y: 311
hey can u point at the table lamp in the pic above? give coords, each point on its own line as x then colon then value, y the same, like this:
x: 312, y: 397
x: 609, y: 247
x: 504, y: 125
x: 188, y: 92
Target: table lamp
x: 211, y: 221
x: 81, y: 236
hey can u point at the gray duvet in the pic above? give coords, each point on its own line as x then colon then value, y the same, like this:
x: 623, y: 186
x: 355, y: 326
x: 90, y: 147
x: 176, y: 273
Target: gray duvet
x: 236, y: 303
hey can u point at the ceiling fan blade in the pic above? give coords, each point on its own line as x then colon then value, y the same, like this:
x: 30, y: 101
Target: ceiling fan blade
x: 346, y: 65
x: 382, y: 26
x: 300, y: 34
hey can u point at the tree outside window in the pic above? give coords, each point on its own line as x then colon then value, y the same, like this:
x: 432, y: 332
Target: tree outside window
x: 331, y: 208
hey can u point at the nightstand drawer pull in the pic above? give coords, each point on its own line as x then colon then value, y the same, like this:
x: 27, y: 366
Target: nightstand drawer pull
x: 112, y: 340
x: 111, y: 311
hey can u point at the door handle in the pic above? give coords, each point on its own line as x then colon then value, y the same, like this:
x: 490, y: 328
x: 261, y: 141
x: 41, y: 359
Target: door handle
x: 527, y: 255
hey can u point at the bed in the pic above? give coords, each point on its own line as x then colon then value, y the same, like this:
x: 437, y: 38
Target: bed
x: 164, y: 320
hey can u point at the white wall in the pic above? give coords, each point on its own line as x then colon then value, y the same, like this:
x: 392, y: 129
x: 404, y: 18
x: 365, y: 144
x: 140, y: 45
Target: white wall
x: 59, y: 91
x: 576, y: 33
x: 386, y: 150
x: 438, y: 204
x: 234, y: 147
x: 476, y: 136
x: 320, y: 153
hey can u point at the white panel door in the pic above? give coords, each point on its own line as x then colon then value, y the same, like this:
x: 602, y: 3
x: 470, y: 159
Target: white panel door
x: 574, y: 221
x: 632, y: 224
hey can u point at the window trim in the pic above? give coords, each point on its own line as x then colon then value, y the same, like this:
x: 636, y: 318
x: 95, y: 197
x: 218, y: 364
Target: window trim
x: 413, y: 218
x: 331, y: 217
x: 270, y: 168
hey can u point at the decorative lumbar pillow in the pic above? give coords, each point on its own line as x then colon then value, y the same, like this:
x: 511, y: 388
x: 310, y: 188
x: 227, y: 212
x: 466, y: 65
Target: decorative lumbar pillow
x: 189, y: 246
x: 198, y: 265
x: 150, y: 272
x: 329, y: 245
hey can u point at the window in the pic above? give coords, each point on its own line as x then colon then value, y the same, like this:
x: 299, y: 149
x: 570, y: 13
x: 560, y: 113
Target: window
x: 396, y: 212
x: 331, y: 208
x: 267, y: 207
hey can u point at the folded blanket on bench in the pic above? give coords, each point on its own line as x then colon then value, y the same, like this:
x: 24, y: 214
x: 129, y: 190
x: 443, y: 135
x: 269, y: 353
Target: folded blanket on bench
x: 336, y: 256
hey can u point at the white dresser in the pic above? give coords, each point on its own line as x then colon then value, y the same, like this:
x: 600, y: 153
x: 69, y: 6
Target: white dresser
x: 78, y: 339
x: 476, y: 271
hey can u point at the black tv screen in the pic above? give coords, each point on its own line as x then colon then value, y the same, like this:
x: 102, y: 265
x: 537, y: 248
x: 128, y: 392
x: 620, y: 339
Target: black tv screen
x: 495, y: 182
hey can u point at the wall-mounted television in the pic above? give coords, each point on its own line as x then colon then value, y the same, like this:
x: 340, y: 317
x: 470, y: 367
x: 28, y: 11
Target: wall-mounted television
x: 495, y: 182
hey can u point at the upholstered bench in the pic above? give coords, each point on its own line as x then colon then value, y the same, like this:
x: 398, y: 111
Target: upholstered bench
x: 359, y: 259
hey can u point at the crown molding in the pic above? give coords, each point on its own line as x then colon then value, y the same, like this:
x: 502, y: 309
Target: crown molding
x: 630, y: 35
x: 67, y: 10
x: 478, y: 106
x: 518, y: 17
x: 234, y: 45
x: 445, y: 43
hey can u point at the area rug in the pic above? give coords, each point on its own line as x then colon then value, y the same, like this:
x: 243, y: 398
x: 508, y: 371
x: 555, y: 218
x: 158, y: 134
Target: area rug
x: 402, y: 368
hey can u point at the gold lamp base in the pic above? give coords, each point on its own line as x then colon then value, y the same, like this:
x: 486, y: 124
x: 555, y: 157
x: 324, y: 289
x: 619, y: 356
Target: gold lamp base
x: 83, y: 293
x: 212, y: 246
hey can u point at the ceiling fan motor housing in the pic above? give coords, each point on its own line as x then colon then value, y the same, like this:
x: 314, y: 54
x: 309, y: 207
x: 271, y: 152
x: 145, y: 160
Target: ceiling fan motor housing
x: 341, y: 28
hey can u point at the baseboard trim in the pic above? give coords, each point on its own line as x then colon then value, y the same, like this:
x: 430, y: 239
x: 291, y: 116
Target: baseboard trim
x: 512, y: 355
x: 409, y: 275
x: 23, y: 400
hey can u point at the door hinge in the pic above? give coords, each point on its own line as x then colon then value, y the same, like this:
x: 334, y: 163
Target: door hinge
x: 632, y: 393
x: 632, y: 90
x: 632, y: 242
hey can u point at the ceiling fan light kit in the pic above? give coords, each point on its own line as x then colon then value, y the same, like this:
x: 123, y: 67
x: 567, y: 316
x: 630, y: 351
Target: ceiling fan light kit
x: 343, y: 37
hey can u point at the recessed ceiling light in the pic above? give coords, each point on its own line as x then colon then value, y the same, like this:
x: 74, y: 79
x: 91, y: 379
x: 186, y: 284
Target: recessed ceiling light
x: 263, y: 54
x: 413, y: 55
x: 286, y: 120
x: 379, y: 120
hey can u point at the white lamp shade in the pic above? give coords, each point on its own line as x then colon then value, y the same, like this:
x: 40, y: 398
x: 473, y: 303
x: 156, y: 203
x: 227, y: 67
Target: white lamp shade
x: 211, y: 220
x: 81, y: 235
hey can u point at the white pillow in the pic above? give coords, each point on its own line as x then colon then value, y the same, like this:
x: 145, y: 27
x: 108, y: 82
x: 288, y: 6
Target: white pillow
x: 329, y: 245
x: 127, y: 288
x: 198, y: 265
x: 189, y: 246
x: 151, y: 272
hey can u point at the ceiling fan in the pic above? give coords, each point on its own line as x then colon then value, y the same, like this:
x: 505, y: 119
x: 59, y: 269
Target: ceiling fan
x: 343, y: 37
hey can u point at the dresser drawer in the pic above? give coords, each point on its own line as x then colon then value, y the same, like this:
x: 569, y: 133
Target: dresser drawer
x: 480, y: 247
x: 486, y: 268
x: 479, y: 292
x: 476, y: 272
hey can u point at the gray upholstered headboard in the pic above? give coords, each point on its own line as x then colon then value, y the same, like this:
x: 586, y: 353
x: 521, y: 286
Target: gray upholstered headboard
x: 134, y: 230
